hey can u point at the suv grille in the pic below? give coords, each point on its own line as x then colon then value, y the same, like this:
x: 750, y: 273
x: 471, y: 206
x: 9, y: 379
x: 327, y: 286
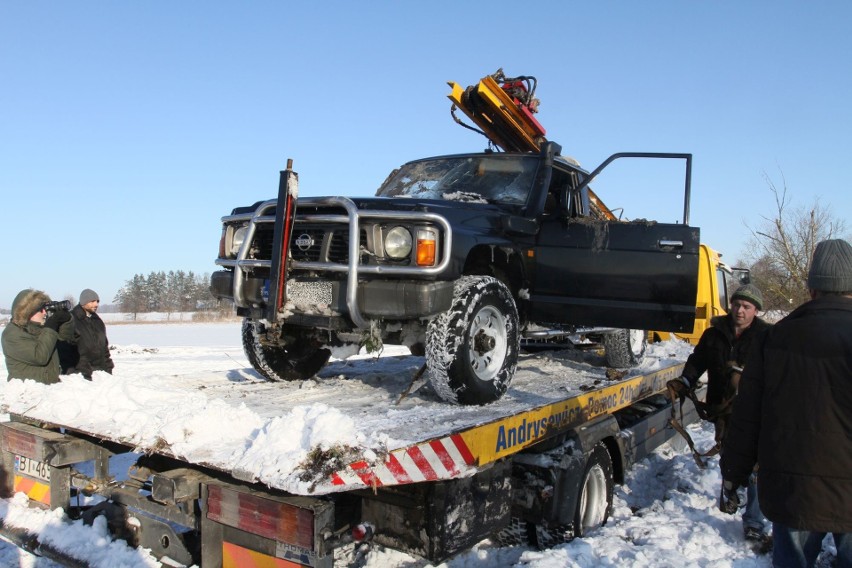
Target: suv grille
x: 310, y: 243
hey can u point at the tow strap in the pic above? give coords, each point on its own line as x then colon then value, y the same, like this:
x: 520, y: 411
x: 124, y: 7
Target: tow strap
x: 716, y: 413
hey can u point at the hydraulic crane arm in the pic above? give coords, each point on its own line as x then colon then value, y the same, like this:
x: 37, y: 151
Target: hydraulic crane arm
x: 503, y: 109
x: 506, y: 121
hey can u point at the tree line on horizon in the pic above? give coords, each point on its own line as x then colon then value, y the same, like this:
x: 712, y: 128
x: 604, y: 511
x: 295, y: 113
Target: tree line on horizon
x: 169, y: 292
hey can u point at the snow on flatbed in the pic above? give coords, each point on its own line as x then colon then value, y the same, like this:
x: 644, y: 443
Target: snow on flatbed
x: 206, y: 406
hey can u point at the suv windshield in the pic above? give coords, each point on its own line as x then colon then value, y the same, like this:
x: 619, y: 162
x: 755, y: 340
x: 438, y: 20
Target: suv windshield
x: 484, y: 179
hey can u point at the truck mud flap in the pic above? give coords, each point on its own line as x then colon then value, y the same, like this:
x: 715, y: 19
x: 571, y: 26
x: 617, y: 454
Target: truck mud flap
x: 437, y: 520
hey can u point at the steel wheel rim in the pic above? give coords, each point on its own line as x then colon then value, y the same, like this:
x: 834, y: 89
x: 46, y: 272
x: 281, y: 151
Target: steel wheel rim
x: 635, y: 339
x: 488, y: 325
x: 593, y: 501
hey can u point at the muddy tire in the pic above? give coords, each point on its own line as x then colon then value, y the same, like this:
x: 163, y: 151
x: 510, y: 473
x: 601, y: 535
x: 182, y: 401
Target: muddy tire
x: 625, y: 348
x: 594, y: 502
x: 472, y: 349
x: 296, y: 361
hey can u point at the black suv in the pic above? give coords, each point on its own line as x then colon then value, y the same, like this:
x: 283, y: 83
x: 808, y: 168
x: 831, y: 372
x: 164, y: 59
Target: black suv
x: 459, y: 258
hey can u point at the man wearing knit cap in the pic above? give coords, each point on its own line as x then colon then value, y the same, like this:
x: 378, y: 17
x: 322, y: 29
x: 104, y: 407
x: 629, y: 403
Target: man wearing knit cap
x: 89, y: 350
x: 722, y: 353
x: 793, y: 415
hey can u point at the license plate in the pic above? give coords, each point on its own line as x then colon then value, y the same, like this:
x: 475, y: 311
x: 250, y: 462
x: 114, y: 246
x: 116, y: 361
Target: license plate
x: 32, y: 468
x: 309, y: 293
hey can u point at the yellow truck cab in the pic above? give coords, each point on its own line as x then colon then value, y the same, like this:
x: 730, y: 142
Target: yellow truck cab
x: 716, y: 282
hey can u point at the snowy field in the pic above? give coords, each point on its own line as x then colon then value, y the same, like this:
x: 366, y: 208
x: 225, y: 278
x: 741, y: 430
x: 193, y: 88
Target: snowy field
x: 664, y: 516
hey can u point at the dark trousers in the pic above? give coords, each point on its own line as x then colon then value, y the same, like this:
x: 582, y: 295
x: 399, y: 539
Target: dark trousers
x: 793, y: 548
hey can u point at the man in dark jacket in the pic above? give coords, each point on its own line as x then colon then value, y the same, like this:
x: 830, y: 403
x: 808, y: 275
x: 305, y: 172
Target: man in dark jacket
x: 793, y: 415
x: 29, y: 340
x: 89, y: 350
x: 722, y: 352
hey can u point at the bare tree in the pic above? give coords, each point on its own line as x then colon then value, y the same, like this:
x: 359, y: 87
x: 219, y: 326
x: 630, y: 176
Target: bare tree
x: 782, y: 246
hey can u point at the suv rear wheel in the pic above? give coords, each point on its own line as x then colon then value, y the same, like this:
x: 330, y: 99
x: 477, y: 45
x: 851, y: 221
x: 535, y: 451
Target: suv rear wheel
x: 625, y: 348
x: 472, y: 349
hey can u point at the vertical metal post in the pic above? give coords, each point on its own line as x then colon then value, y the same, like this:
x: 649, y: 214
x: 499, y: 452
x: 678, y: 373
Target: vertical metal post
x: 288, y: 190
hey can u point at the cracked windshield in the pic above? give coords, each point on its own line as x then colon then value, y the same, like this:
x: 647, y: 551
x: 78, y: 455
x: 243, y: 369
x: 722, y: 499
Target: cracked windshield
x: 492, y: 179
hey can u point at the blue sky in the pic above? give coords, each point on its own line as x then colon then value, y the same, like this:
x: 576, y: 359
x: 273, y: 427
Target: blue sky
x: 130, y: 128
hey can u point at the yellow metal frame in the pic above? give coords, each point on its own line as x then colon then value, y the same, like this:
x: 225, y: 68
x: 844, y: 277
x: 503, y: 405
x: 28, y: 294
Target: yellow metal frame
x: 501, y: 119
x: 504, y: 437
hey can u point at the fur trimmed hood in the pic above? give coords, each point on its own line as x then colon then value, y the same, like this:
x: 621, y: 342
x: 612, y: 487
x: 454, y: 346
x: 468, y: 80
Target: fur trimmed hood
x: 26, y: 304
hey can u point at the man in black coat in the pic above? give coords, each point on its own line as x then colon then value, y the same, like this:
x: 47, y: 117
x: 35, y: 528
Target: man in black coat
x: 722, y: 353
x: 89, y: 351
x: 793, y: 415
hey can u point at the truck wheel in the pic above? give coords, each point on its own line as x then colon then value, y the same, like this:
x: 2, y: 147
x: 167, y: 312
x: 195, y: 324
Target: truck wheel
x: 594, y: 502
x: 625, y: 348
x: 296, y: 361
x: 472, y: 349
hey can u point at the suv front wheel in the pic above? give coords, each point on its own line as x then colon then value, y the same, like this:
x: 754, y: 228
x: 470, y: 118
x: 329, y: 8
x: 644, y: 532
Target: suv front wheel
x: 299, y: 359
x: 472, y: 349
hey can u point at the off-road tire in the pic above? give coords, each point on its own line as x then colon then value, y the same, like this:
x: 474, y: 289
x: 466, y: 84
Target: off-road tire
x: 594, y: 501
x: 472, y: 349
x: 297, y: 361
x: 624, y: 348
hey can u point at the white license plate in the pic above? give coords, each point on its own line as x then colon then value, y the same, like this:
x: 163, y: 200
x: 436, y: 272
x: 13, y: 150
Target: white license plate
x: 32, y: 468
x: 310, y: 293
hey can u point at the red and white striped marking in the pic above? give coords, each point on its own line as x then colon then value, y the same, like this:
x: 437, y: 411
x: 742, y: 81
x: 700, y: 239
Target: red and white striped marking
x: 444, y: 458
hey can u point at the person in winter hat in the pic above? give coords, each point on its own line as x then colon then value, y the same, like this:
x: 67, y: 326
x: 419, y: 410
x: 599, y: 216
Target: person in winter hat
x: 29, y: 340
x: 749, y: 293
x: 89, y: 350
x: 722, y: 353
x: 792, y: 416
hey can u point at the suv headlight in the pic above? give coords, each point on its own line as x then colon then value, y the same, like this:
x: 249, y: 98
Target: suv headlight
x: 398, y: 243
x: 237, y: 238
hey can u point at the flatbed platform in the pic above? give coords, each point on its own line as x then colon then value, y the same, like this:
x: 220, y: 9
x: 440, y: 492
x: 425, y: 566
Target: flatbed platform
x: 345, y: 429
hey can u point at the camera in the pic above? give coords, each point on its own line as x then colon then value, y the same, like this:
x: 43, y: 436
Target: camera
x: 52, y: 307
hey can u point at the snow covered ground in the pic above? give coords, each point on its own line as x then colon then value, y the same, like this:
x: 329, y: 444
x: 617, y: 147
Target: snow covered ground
x: 664, y: 516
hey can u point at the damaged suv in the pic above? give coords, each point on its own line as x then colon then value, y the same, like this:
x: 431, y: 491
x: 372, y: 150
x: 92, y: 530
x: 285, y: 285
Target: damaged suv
x: 459, y: 258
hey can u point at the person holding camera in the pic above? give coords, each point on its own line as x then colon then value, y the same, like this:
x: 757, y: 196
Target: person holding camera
x: 29, y: 341
x: 88, y: 351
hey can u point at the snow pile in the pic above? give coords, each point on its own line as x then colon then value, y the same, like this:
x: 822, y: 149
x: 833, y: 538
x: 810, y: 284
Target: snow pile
x: 92, y: 543
x: 190, y: 425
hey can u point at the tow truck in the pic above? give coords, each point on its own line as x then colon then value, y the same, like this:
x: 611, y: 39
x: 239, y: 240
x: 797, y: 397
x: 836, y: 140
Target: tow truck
x: 537, y: 466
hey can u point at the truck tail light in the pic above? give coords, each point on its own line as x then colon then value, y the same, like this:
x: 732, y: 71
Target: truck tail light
x: 426, y: 247
x: 20, y: 443
x: 264, y: 517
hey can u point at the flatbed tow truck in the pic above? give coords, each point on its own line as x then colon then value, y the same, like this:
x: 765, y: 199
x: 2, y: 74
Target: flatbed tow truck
x: 536, y: 466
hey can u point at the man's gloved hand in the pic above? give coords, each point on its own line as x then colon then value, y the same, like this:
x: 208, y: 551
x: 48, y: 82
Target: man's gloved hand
x: 58, y: 318
x: 729, y: 500
x: 680, y: 386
